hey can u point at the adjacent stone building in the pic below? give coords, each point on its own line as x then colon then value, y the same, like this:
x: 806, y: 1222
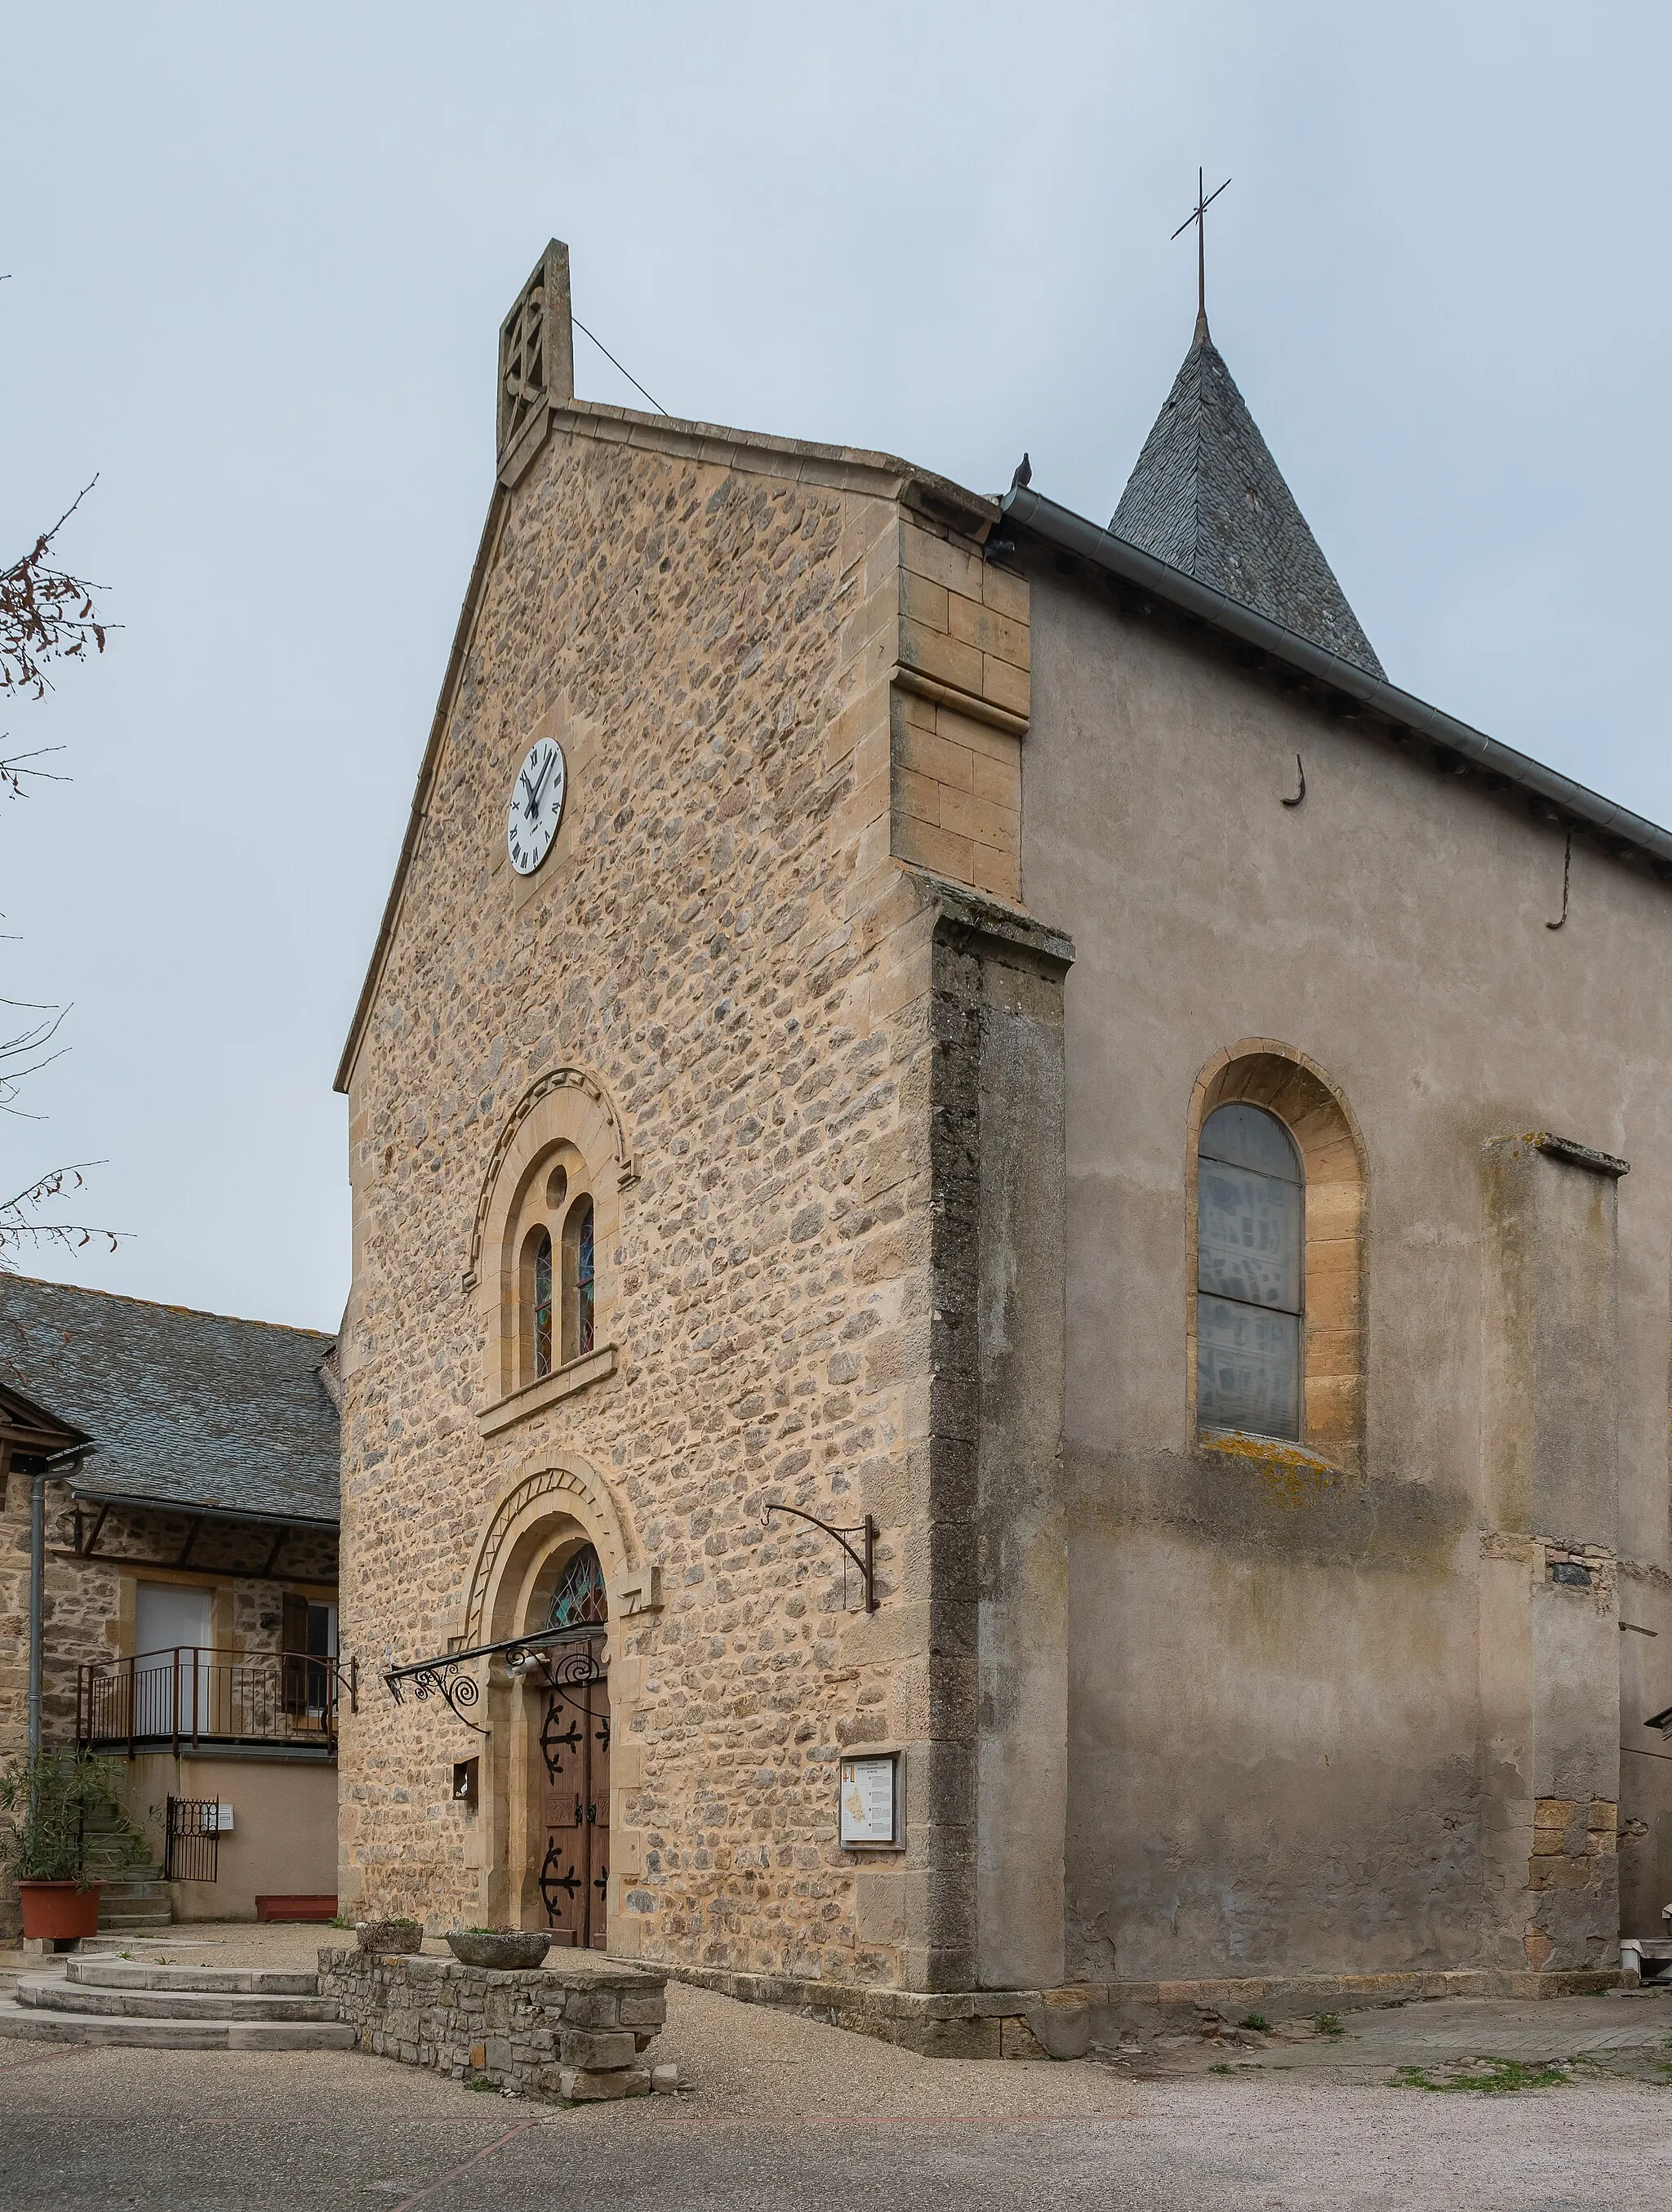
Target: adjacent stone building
x: 187, y: 1466
x: 1011, y: 1039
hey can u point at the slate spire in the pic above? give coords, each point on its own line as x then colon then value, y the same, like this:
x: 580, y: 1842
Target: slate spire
x: 1207, y: 497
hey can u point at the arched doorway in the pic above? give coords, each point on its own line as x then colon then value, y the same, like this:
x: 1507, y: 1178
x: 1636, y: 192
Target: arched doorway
x: 571, y: 1771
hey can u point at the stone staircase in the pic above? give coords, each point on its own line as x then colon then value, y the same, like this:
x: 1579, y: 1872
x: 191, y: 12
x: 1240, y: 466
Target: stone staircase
x: 135, y: 1893
x: 111, y: 2000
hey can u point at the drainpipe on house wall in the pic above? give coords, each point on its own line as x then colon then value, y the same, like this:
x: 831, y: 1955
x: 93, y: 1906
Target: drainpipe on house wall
x: 37, y: 1576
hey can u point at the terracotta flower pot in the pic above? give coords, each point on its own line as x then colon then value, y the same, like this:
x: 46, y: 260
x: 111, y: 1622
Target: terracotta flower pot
x: 59, y: 1909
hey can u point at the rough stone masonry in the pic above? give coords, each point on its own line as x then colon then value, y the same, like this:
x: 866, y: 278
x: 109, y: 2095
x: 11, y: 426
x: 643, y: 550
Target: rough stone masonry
x: 577, y: 2034
x: 773, y: 1043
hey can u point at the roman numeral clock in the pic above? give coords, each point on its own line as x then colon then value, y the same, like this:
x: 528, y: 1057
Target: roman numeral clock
x: 537, y: 806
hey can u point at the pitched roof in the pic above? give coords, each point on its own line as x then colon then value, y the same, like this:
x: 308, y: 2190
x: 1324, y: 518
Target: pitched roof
x: 195, y: 1408
x: 1207, y: 498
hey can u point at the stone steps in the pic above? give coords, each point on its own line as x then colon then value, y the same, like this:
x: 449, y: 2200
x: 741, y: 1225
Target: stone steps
x: 135, y: 1894
x: 136, y: 1899
x: 54, y: 1993
x: 25, y: 2024
x: 102, y: 1972
x: 106, y: 2000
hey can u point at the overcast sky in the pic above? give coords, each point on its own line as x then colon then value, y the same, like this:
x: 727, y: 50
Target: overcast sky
x: 258, y: 259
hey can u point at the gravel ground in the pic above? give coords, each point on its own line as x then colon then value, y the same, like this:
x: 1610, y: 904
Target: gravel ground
x: 785, y: 2113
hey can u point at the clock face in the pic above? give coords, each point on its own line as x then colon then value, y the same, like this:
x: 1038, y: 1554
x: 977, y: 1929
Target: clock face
x: 537, y: 806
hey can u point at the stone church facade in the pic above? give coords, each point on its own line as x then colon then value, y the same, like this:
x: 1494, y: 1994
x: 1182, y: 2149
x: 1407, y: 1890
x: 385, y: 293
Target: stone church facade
x: 1025, y: 1044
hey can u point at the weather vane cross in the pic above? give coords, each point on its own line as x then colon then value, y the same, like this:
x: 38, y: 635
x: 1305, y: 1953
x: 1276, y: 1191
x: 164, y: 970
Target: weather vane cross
x: 1198, y: 215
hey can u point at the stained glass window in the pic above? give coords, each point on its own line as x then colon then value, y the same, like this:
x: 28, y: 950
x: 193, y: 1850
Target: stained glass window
x: 579, y: 1600
x: 583, y: 1285
x: 578, y: 1285
x: 1250, y: 1236
x: 541, y: 1304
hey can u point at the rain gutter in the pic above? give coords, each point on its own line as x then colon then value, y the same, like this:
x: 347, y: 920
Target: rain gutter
x: 192, y: 1508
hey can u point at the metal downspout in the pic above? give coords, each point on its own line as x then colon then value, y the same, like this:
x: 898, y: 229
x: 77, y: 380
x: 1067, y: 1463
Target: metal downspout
x: 73, y: 1458
x: 37, y: 1576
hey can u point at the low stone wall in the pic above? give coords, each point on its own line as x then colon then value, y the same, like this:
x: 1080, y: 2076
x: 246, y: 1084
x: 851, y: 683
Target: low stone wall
x: 570, y: 2029
x: 1084, y: 2017
x: 1059, y: 2023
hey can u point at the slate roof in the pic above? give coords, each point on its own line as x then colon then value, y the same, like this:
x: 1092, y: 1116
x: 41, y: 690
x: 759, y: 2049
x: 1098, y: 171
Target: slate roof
x: 192, y: 1408
x: 1207, y: 498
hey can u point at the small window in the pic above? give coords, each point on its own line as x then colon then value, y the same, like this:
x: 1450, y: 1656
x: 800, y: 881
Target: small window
x: 541, y: 1309
x: 578, y: 1285
x: 1251, y: 1234
x: 579, y: 1600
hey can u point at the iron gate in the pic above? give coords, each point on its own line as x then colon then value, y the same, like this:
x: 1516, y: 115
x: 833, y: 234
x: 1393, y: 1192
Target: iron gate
x: 191, y: 1849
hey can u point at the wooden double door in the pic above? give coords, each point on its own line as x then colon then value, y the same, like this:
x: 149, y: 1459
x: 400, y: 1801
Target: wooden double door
x: 574, y: 1880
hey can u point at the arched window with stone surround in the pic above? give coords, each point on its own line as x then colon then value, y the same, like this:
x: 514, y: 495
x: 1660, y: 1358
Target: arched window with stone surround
x: 579, y: 1280
x: 1250, y: 1273
x: 1255, y: 1302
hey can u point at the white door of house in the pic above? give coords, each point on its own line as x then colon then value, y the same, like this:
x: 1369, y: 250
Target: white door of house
x: 170, y: 1618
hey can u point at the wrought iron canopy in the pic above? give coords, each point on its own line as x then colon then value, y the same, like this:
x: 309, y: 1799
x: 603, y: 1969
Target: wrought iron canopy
x: 444, y: 1674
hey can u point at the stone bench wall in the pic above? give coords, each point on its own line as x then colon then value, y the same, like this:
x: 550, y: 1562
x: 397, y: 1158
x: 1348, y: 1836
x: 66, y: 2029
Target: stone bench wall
x: 570, y: 2030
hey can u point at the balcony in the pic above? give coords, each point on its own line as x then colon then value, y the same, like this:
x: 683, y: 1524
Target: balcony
x: 194, y: 1699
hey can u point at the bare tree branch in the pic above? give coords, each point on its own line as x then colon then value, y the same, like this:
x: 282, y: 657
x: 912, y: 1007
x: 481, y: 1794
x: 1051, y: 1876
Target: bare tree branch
x: 19, y: 1052
x: 47, y: 615
x: 19, y: 1228
x: 16, y: 766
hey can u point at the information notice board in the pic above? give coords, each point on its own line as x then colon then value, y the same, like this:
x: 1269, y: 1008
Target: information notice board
x: 869, y: 1801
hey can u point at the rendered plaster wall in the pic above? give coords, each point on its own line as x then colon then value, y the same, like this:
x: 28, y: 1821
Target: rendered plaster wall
x: 722, y: 942
x: 996, y: 1520
x: 283, y: 1842
x: 1550, y: 1655
x: 1278, y: 1741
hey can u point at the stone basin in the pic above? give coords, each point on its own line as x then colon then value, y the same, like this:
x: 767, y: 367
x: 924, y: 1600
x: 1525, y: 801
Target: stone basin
x: 508, y: 1950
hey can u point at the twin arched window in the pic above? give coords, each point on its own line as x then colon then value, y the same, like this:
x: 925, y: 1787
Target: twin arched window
x: 560, y: 1301
x: 1250, y: 1286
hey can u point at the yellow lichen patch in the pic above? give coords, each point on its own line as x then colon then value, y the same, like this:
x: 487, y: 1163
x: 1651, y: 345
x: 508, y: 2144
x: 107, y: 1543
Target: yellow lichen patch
x: 1291, y: 1472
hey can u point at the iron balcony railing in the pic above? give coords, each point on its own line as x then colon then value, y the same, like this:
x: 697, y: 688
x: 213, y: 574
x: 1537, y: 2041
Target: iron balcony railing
x: 193, y: 1695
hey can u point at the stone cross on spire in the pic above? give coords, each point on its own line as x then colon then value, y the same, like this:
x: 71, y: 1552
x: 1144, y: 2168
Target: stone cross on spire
x: 1198, y: 215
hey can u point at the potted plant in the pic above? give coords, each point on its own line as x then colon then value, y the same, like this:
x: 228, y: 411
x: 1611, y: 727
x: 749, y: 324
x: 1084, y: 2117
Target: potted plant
x: 43, y: 1845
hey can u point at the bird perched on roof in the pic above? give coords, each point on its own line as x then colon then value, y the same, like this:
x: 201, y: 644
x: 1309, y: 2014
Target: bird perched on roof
x: 1024, y: 476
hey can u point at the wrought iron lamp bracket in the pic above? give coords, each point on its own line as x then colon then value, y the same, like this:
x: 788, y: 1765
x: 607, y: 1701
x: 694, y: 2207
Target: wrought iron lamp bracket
x: 866, y: 1530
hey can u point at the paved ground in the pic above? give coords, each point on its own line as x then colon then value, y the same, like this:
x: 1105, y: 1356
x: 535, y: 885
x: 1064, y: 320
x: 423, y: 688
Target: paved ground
x: 785, y: 2114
